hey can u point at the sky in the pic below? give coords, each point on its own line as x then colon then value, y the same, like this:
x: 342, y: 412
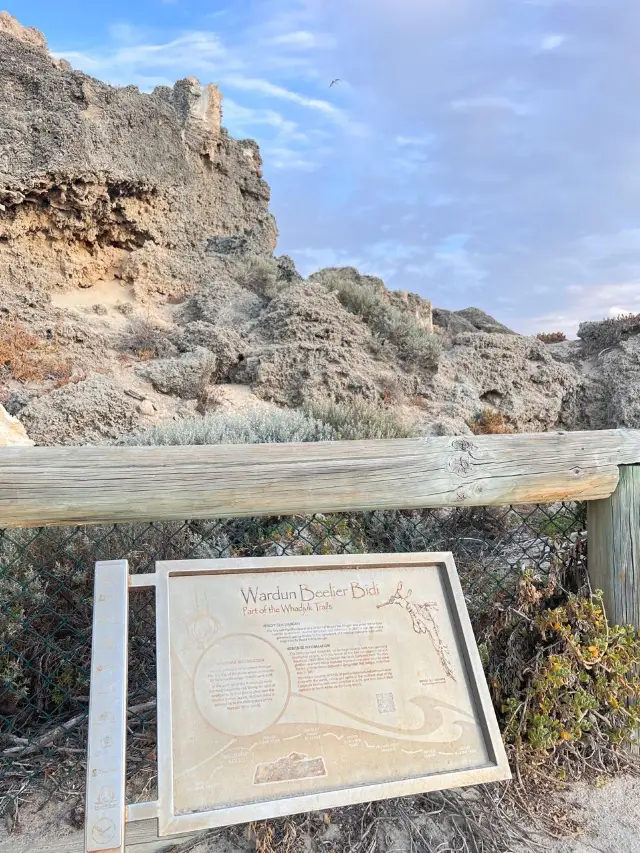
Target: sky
x: 477, y: 152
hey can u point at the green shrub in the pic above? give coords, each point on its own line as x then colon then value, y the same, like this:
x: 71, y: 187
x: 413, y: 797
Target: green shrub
x: 420, y: 347
x: 359, y: 420
x: 360, y: 299
x: 564, y: 681
x: 415, y: 344
x: 318, y: 422
x: 257, y: 426
x: 260, y: 274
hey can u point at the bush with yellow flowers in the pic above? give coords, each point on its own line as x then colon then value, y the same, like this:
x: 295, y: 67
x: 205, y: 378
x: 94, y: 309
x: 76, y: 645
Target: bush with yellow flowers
x: 564, y: 681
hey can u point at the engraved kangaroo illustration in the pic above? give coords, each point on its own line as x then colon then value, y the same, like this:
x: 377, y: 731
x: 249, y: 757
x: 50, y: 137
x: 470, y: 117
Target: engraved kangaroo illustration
x: 423, y: 623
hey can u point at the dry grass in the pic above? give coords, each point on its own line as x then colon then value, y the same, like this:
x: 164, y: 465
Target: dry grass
x: 551, y: 337
x: 489, y: 422
x: 481, y: 820
x: 146, y: 339
x: 209, y: 398
x: 28, y: 358
x: 359, y: 420
x: 70, y: 380
x: 391, y: 390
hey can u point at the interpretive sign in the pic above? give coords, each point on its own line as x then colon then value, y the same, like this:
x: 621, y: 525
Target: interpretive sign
x: 300, y: 683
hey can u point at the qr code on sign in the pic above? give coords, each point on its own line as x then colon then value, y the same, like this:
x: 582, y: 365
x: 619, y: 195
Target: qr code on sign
x: 386, y: 705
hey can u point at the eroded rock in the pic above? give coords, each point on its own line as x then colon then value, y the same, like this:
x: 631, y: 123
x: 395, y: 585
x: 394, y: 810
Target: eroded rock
x: 12, y: 432
x: 98, y: 182
x: 87, y: 412
x: 185, y: 376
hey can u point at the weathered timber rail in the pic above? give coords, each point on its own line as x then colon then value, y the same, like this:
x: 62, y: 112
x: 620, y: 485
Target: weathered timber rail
x: 91, y: 485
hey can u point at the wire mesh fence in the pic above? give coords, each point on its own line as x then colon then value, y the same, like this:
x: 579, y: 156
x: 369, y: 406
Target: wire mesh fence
x: 46, y: 586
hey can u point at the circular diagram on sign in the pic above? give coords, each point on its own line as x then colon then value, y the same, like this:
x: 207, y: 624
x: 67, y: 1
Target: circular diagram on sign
x: 241, y: 685
x: 103, y: 830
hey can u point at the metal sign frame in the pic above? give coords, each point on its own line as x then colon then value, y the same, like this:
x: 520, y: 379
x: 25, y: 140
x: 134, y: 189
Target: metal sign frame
x: 107, y: 813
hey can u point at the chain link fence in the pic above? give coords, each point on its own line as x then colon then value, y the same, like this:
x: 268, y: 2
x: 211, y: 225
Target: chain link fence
x: 46, y: 587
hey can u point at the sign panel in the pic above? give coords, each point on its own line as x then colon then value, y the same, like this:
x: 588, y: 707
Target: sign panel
x: 292, y: 684
x: 287, y: 685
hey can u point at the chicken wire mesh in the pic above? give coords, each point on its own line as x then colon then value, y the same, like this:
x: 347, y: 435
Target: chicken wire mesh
x: 46, y: 587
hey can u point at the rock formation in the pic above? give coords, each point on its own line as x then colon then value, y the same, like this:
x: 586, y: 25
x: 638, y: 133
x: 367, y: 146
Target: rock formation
x: 12, y: 432
x: 138, y: 284
x: 101, y: 184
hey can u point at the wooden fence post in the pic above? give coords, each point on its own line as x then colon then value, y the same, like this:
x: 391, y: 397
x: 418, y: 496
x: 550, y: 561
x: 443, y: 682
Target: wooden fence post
x: 613, y: 548
x: 613, y: 529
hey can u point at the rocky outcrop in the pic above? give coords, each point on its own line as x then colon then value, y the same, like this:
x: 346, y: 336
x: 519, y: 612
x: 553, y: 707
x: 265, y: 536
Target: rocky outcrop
x: 411, y: 304
x: 510, y: 374
x: 467, y: 320
x: 87, y: 412
x: 100, y: 183
x: 610, y: 391
x: 308, y: 347
x: 186, y: 376
x: 27, y: 35
x: 12, y: 432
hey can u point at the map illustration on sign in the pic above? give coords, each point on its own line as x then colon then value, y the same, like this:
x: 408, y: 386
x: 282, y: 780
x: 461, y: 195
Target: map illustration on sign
x: 424, y: 622
x: 290, y: 684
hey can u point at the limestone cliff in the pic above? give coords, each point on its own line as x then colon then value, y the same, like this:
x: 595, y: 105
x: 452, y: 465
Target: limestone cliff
x: 101, y: 183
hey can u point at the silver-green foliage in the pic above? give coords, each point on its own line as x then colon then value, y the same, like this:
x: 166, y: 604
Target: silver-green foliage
x: 257, y: 426
x: 415, y: 344
x: 360, y: 420
x: 260, y: 274
x: 319, y: 422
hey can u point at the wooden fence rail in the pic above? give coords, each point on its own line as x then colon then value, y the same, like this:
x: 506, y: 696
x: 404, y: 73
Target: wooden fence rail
x: 91, y: 485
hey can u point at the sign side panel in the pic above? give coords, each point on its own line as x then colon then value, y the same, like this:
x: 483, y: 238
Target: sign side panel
x: 106, y: 766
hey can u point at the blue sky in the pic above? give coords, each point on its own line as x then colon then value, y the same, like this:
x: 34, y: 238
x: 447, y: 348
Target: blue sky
x: 478, y: 152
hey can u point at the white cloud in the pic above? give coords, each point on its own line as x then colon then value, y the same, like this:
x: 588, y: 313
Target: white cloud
x: 410, y: 141
x: 587, y: 302
x: 264, y: 87
x: 489, y: 103
x: 552, y: 41
x: 123, y: 64
x: 392, y: 250
x: 303, y: 40
x: 442, y: 200
x: 309, y: 259
x: 241, y: 120
x: 603, y: 245
x: 281, y: 157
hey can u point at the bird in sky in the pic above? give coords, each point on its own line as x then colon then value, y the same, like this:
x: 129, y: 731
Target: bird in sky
x: 333, y: 82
